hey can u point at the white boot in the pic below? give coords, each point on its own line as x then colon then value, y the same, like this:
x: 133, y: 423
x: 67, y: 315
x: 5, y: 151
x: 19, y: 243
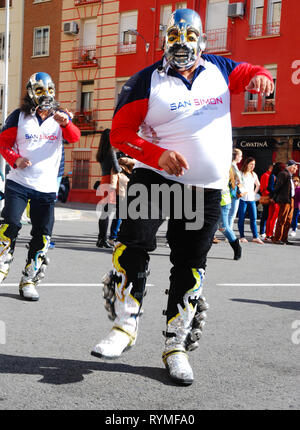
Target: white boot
x: 116, y: 342
x: 4, y: 267
x: 178, y: 366
x: 27, y: 290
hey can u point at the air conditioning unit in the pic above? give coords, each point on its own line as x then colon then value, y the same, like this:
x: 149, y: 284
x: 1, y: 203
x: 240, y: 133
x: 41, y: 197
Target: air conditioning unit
x: 235, y: 10
x: 71, y: 27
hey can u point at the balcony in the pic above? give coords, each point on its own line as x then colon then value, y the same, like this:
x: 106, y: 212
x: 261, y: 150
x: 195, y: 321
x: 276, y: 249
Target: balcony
x: 85, y: 56
x: 269, y: 105
x: 126, y: 48
x: 84, y: 2
x: 251, y: 105
x: 218, y: 40
x: 272, y: 28
x: 85, y: 120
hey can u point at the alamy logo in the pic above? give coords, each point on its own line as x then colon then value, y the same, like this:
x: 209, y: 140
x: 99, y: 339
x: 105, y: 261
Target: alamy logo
x: 159, y: 202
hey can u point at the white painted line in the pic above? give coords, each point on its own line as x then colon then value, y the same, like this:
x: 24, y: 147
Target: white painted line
x: 259, y: 285
x: 66, y: 285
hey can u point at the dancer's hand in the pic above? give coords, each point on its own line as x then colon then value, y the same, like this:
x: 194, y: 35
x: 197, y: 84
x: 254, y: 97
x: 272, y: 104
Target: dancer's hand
x: 22, y: 163
x: 173, y: 163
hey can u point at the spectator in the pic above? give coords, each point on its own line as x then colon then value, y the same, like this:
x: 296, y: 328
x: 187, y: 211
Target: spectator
x: 264, y: 200
x: 251, y: 185
x: 273, y: 206
x: 296, y: 206
x: 284, y: 192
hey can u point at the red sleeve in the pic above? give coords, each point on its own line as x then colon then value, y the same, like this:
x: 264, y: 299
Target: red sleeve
x: 241, y: 75
x: 124, y: 135
x: 71, y: 132
x: 264, y: 180
x: 7, y: 141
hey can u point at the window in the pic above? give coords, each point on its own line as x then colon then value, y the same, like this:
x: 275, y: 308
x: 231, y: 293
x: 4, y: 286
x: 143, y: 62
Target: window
x: 39, y: 1
x: 81, y: 166
x: 1, y: 96
x: 2, y: 46
x: 41, y: 41
x: 256, y: 18
x: 216, y: 26
x: 165, y: 12
x: 268, y: 102
x: 274, y: 15
x: 255, y: 103
x: 86, y: 99
x: 127, y: 39
x: 181, y: 5
x: 3, y: 3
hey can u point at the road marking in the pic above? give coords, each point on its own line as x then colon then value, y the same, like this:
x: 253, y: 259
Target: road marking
x: 100, y: 284
x: 258, y: 285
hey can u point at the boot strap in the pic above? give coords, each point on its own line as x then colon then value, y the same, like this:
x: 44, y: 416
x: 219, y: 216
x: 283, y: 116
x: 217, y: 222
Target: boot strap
x: 172, y: 352
x: 131, y: 337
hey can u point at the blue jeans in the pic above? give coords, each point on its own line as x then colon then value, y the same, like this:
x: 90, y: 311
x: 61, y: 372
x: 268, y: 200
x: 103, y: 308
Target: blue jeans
x: 226, y: 230
x: 41, y: 214
x: 295, y: 219
x: 233, y: 211
x: 251, y: 206
x: 114, y: 228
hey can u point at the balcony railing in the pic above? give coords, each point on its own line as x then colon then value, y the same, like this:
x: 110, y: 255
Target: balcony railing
x: 85, y: 120
x: 251, y: 105
x: 85, y: 56
x: 126, y: 48
x: 255, y: 30
x: 273, y: 28
x: 269, y: 105
x: 258, y: 30
x: 83, y: 2
x: 218, y: 40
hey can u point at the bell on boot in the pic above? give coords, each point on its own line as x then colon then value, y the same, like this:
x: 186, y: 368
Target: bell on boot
x: 237, y: 249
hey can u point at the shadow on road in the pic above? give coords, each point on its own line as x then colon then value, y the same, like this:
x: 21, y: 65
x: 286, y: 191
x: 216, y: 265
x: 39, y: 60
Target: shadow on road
x: 295, y: 306
x: 61, y: 371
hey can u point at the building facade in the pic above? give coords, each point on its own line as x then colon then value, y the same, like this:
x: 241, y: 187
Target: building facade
x: 105, y: 42
x: 15, y: 56
x: 41, y: 42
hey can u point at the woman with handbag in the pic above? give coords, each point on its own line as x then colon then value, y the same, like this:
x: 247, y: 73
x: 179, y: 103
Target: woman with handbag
x: 237, y: 156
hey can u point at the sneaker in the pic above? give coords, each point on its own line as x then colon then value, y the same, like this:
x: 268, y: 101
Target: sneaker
x: 114, y: 344
x: 263, y: 236
x: 102, y: 243
x: 112, y: 242
x: 293, y: 233
x: 243, y: 240
x: 257, y: 240
x: 278, y: 242
x: 28, y: 291
x: 178, y: 367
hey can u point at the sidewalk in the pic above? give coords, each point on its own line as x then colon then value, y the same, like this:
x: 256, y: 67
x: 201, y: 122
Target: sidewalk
x: 75, y: 211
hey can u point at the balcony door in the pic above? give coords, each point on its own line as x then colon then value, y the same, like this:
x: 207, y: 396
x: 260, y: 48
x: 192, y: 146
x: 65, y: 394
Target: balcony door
x: 216, y: 25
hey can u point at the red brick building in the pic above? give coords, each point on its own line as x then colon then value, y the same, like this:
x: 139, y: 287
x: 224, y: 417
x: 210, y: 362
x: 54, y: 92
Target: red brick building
x: 41, y: 42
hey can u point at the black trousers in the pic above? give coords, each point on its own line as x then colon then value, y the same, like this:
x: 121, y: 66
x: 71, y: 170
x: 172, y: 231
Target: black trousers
x: 188, y: 247
x: 41, y: 214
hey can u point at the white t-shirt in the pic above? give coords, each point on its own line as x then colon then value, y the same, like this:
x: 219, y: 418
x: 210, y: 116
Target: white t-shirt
x: 248, y: 182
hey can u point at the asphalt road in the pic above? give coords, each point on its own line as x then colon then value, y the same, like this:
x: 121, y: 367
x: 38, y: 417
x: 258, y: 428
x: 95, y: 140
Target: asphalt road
x: 248, y: 357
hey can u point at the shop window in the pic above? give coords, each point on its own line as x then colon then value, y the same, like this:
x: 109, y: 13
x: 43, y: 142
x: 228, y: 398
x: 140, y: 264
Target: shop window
x: 127, y: 38
x: 274, y: 15
x: 256, y: 18
x: 180, y: 5
x: 165, y: 12
x: 41, y: 39
x: 81, y: 169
